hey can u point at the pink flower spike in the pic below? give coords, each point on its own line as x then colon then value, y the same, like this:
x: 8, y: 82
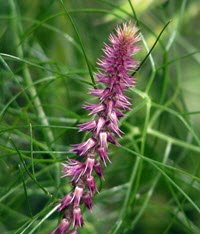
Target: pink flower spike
x: 113, y: 79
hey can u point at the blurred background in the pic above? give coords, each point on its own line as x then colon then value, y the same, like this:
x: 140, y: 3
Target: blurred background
x: 46, y: 67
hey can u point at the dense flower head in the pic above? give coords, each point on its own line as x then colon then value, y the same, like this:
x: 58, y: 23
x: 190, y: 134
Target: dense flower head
x: 114, y: 74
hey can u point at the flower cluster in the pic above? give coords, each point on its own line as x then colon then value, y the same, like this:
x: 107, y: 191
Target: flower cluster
x: 114, y: 73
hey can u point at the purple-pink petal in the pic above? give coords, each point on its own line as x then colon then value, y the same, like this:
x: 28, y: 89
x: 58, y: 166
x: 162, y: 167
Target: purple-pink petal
x: 67, y: 199
x: 103, y: 139
x: 100, y: 124
x: 98, y: 169
x: 87, y: 199
x: 103, y: 154
x: 77, y: 217
x: 78, y: 192
x: 89, y: 164
x: 98, y: 108
x: 62, y: 227
x: 87, y: 126
x: 114, y: 128
x: 83, y: 147
x: 91, y: 184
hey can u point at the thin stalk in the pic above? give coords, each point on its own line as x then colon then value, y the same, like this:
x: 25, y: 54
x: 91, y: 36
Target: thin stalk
x: 149, y: 53
x: 27, y: 76
x: 81, y: 43
x: 152, y: 188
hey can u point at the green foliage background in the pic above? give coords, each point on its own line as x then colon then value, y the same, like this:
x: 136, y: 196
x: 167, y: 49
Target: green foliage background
x: 46, y: 67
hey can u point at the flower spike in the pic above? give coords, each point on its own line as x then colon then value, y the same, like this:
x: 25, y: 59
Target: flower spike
x: 116, y: 67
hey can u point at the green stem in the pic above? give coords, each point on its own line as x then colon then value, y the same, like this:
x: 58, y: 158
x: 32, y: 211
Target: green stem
x: 152, y: 188
x: 27, y: 76
x: 81, y: 43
